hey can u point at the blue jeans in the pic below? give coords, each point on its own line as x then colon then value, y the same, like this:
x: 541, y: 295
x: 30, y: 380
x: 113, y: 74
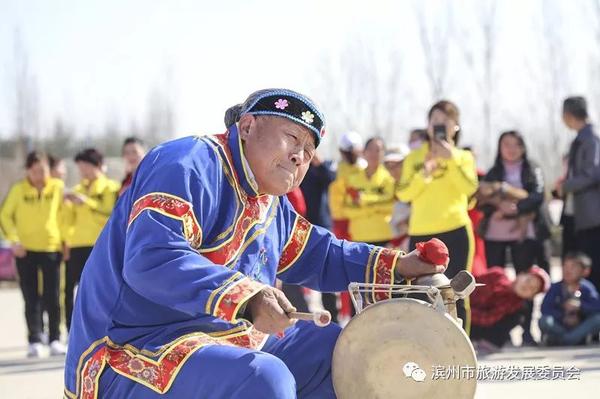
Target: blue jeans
x: 557, y: 332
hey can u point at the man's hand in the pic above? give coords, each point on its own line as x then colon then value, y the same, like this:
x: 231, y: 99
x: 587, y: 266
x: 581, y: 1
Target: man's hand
x: 558, y: 186
x: 410, y: 266
x: 18, y: 251
x: 269, y: 309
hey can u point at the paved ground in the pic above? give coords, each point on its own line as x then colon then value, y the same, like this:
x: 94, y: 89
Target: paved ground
x: 586, y: 360
x: 21, y: 378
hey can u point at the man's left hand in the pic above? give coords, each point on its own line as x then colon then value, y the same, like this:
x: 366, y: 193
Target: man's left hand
x: 410, y: 266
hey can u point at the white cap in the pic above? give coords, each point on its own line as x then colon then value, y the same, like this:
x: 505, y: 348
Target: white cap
x: 396, y: 153
x: 350, y: 141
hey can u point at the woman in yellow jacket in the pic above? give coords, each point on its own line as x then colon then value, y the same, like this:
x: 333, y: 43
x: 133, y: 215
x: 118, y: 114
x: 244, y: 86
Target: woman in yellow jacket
x: 369, y: 198
x: 87, y: 208
x: 438, y: 179
x: 30, y: 220
x: 350, y: 148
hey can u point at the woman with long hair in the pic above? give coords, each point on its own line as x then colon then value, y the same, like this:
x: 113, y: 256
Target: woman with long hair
x: 438, y: 180
x: 511, y: 199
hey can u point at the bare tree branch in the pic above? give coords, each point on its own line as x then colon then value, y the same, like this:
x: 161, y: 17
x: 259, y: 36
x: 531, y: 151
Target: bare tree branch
x: 26, y: 98
x: 435, y: 34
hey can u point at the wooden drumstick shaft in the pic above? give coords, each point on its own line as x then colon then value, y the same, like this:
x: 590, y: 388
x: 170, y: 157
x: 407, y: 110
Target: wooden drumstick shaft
x: 321, y: 318
x: 301, y: 316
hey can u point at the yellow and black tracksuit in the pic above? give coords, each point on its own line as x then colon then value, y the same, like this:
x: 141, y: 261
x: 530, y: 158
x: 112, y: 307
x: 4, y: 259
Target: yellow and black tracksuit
x: 32, y: 219
x: 336, y: 195
x: 83, y: 224
x: 368, y: 204
x: 85, y: 221
x: 439, y: 207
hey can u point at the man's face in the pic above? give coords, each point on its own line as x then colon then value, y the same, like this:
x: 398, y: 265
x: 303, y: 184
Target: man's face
x: 38, y: 173
x: 395, y: 169
x: 350, y: 156
x: 133, y: 154
x: 278, y: 151
x: 87, y: 170
x: 569, y: 120
x: 572, y: 271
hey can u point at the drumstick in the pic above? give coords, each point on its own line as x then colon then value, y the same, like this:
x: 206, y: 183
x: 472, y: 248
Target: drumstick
x: 321, y: 318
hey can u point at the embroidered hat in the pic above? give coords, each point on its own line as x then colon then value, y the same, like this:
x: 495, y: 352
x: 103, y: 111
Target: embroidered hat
x: 281, y: 102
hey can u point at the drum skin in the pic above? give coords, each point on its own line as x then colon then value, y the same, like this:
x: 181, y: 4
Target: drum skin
x: 371, y: 355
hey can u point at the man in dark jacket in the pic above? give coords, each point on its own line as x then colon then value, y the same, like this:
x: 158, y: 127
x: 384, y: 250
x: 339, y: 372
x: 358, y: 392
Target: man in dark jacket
x: 315, y: 188
x: 582, y: 183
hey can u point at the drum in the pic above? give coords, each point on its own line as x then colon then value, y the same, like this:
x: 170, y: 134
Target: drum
x: 404, y: 347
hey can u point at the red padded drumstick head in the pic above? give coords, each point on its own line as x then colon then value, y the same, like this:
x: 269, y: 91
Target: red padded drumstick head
x: 322, y: 318
x: 433, y: 251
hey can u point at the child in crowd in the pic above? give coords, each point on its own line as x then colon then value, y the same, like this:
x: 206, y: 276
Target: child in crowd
x: 571, y: 309
x: 497, y: 307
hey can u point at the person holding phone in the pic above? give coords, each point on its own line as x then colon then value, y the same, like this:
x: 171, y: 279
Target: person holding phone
x: 87, y: 208
x: 438, y: 180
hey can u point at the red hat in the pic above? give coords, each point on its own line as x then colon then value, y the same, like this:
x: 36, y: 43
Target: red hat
x: 542, y: 275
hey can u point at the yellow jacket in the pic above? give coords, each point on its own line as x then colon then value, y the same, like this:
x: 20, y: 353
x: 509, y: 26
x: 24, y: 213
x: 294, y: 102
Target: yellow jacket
x: 369, y: 217
x: 31, y: 218
x: 439, y: 203
x: 85, y: 221
x: 337, y: 189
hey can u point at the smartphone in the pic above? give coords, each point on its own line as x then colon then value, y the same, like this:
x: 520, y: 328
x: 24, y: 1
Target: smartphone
x: 439, y: 132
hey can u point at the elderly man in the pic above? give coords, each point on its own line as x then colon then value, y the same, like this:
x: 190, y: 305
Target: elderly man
x: 176, y: 299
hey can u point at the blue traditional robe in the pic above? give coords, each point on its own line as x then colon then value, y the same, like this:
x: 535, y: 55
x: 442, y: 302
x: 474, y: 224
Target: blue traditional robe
x: 187, y: 245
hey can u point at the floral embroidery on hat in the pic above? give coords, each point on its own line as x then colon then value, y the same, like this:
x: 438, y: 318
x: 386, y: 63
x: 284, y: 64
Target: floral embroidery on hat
x: 308, y: 117
x: 282, y: 103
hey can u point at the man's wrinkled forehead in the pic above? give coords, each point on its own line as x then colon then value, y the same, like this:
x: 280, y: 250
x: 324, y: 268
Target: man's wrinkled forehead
x: 287, y: 126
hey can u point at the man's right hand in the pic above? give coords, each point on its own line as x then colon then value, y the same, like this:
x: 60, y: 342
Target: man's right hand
x: 269, y: 309
x: 410, y: 266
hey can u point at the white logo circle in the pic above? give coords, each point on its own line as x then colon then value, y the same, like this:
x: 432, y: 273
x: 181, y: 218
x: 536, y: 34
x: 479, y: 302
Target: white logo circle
x: 412, y: 370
